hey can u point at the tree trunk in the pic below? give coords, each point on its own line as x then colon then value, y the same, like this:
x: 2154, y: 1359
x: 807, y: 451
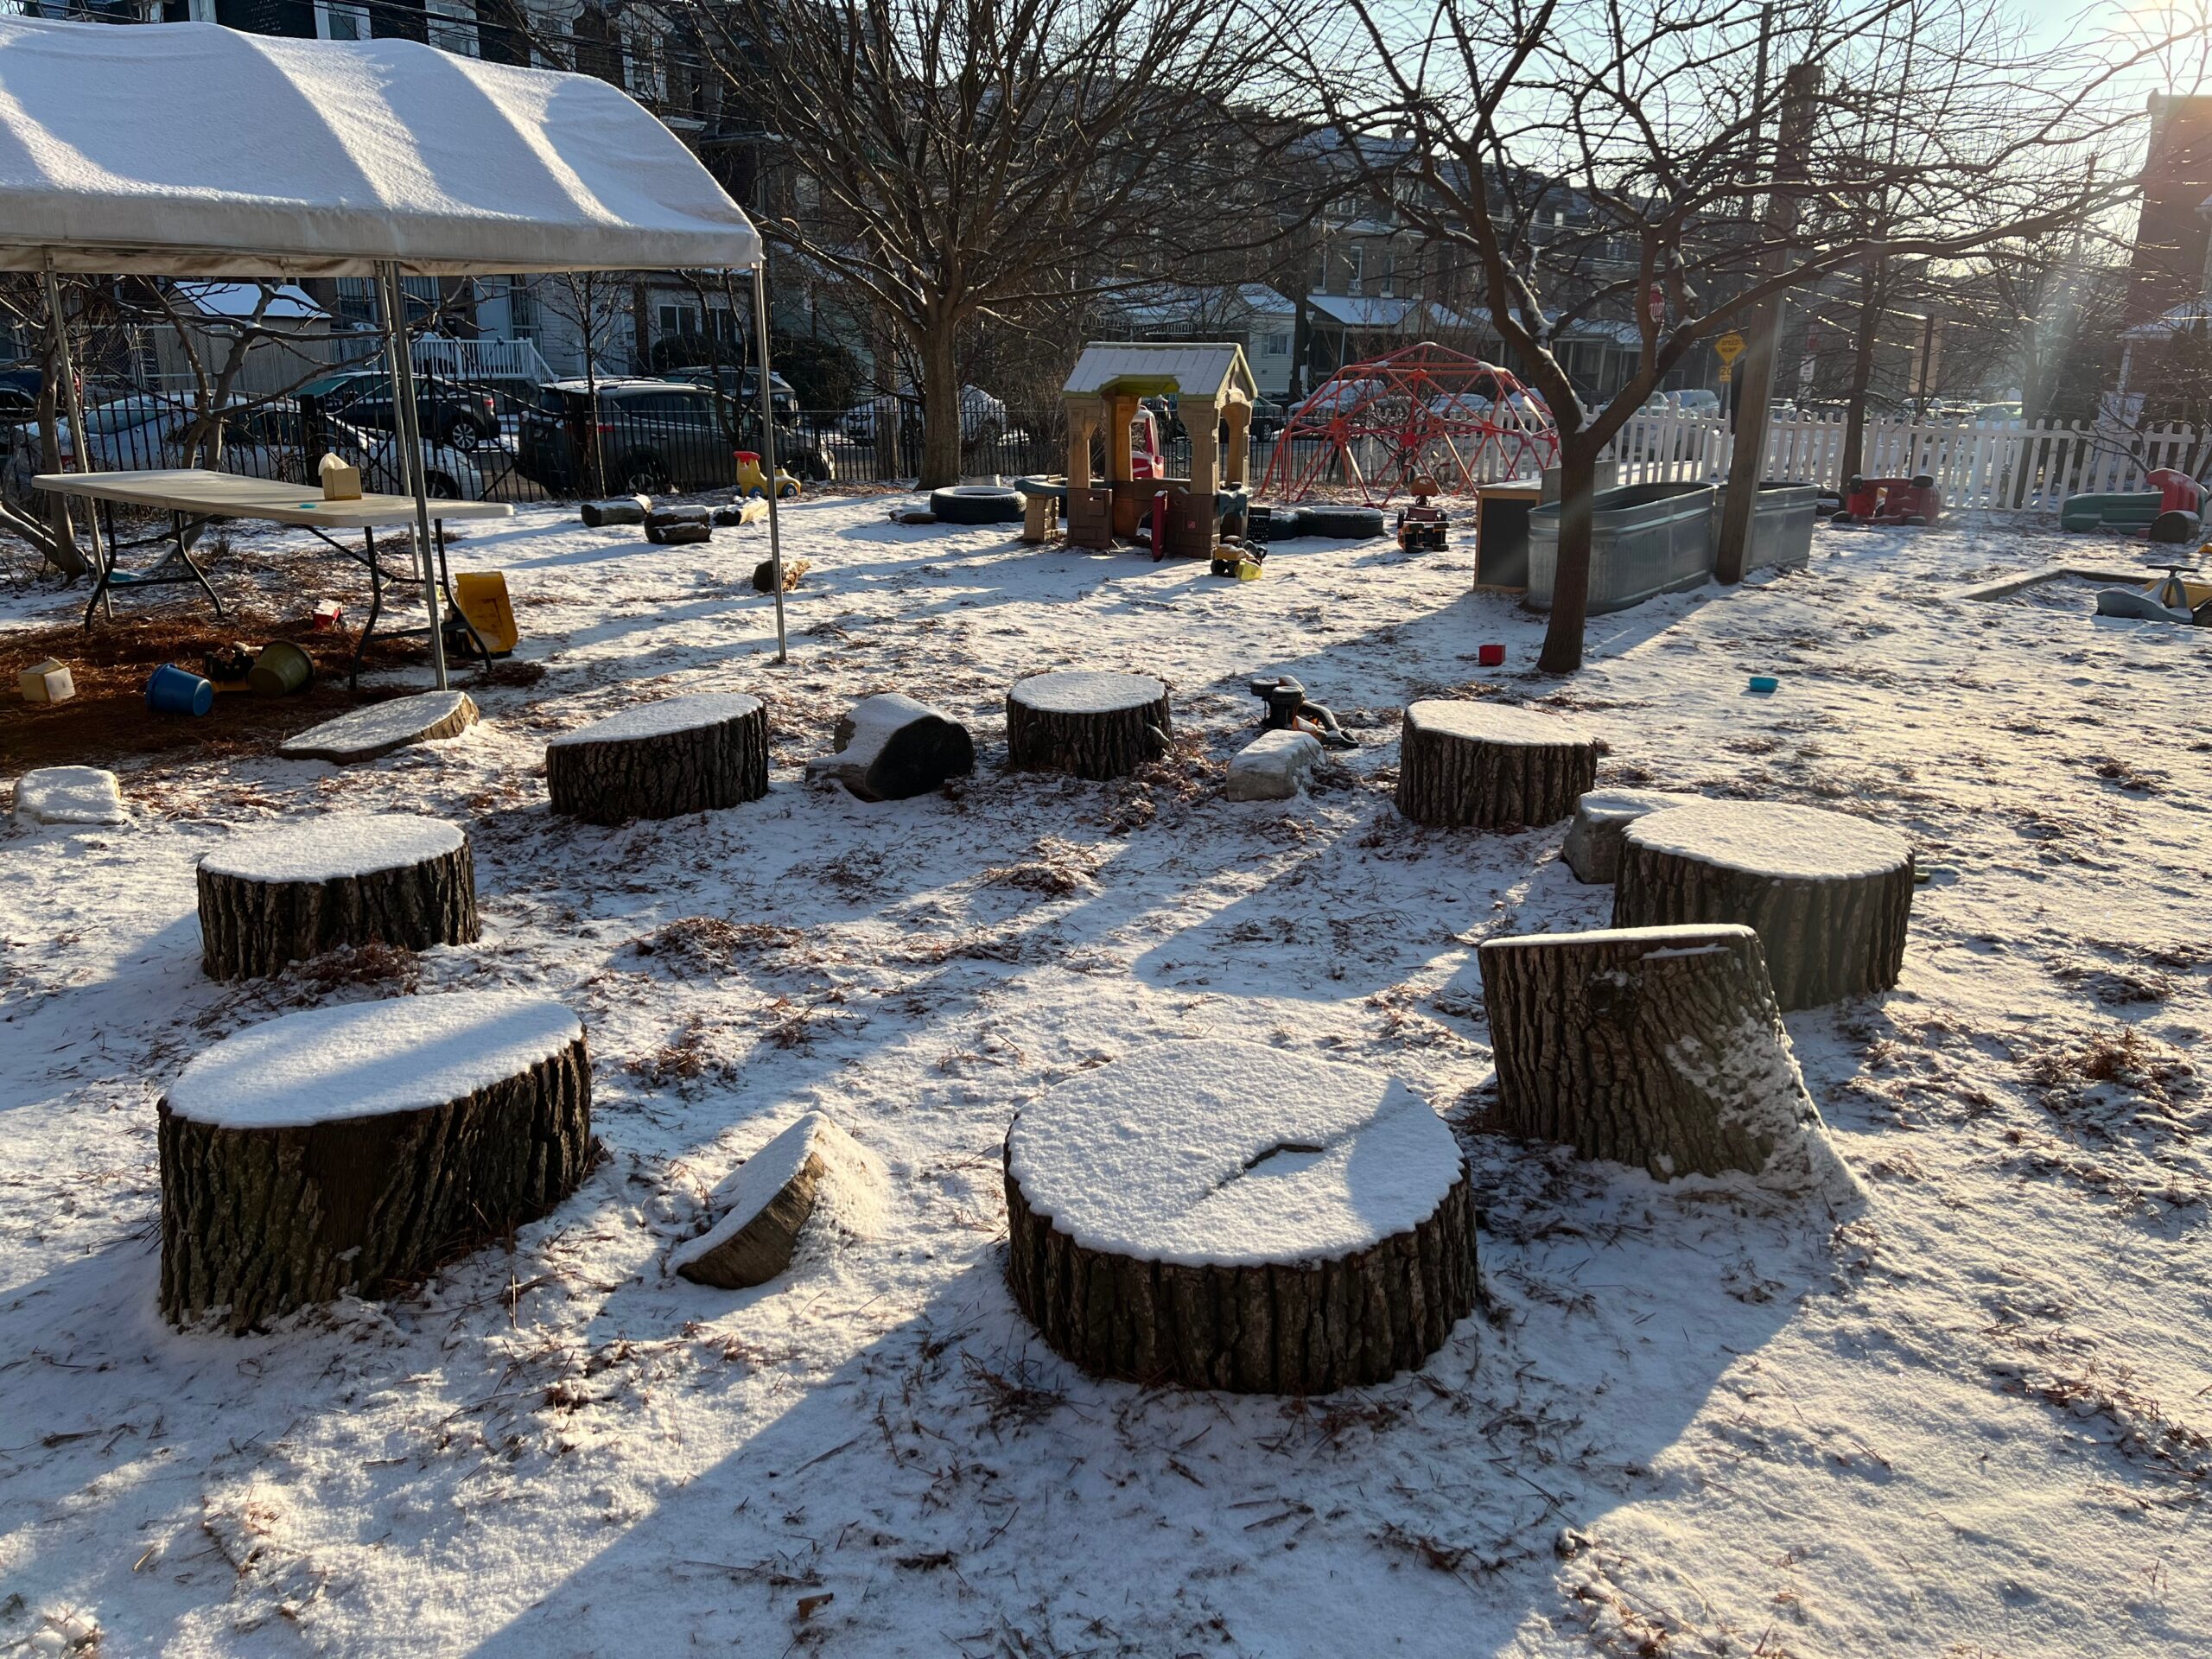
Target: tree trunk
x: 1660, y: 1047
x: 258, y: 1221
x: 1871, y: 311
x: 660, y: 760
x: 891, y: 747
x: 1578, y: 483
x: 59, y: 545
x: 1097, y: 726
x: 256, y: 917
x: 1491, y: 765
x: 940, y: 391
x: 1830, y: 895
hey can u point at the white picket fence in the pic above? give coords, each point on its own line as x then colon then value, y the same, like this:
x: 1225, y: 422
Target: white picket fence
x: 2015, y: 466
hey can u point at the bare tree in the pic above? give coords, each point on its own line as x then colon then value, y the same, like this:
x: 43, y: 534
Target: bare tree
x: 968, y: 160
x: 593, y: 303
x: 1609, y: 159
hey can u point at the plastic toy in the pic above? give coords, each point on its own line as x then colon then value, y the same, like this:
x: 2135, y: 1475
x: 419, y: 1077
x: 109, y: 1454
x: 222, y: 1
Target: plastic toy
x: 2142, y: 512
x: 751, y: 481
x: 1765, y: 682
x: 481, y: 596
x: 47, y: 681
x: 1914, y: 500
x: 174, y: 690
x: 1288, y: 711
x: 1423, y: 527
x: 1104, y: 396
x: 2173, y: 597
x: 1490, y: 655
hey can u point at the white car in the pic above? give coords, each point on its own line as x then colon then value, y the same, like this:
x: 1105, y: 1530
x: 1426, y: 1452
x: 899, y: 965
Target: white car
x: 259, y: 441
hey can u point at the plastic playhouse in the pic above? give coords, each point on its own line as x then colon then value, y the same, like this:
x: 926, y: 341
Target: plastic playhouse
x: 1104, y: 395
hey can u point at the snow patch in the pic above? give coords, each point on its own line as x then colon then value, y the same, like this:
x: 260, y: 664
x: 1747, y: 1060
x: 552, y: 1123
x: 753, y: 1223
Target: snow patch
x: 1215, y: 1153
x: 1087, y: 693
x: 1492, y: 723
x: 1769, y: 838
x: 70, y: 795
x: 662, y: 717
x: 365, y: 1059
x: 332, y: 845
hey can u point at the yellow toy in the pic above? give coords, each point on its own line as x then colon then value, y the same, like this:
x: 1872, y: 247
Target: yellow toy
x: 481, y: 596
x: 751, y: 481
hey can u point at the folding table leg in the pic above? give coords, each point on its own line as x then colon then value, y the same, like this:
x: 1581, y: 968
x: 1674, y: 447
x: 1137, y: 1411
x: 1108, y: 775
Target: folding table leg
x: 376, y: 608
x: 453, y: 606
x: 184, y: 552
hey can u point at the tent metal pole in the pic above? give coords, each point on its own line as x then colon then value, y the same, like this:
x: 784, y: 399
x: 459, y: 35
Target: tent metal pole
x: 768, y: 439
x: 407, y: 433
x: 75, y: 403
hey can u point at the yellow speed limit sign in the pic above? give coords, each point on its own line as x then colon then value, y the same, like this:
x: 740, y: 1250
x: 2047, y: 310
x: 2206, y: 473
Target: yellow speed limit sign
x: 1729, y: 345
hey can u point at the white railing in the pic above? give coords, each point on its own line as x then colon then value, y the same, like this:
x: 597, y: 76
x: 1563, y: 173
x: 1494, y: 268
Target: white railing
x: 2014, y: 465
x: 482, y: 359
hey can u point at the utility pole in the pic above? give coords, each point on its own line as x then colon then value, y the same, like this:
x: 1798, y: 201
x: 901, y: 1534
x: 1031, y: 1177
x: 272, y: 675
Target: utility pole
x: 1799, y: 97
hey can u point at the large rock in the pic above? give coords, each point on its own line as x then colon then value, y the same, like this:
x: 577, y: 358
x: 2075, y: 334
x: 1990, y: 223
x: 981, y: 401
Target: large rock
x: 1272, y: 767
x: 77, y: 795
x: 765, y: 1205
x: 1593, y: 840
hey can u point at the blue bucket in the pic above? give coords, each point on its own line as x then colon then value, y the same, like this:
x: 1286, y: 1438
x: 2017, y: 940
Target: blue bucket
x: 172, y: 691
x: 1763, y: 683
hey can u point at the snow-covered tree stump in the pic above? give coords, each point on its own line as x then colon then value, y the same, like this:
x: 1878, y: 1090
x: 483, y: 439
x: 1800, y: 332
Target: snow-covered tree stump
x: 356, y: 1148
x: 371, y: 732
x: 1227, y: 1216
x: 1593, y: 850
x: 1656, y: 1046
x: 1829, y: 895
x: 1491, y: 765
x: 1097, y: 726
x: 769, y: 1202
x: 891, y: 747
x: 284, y: 894
x: 660, y: 760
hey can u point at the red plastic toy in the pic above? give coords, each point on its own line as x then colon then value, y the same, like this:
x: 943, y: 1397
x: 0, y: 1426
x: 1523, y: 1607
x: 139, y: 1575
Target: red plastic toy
x: 1890, y: 501
x: 2177, y: 491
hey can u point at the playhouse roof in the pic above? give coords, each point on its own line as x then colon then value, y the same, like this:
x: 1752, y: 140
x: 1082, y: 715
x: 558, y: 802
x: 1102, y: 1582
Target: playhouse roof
x: 1150, y: 368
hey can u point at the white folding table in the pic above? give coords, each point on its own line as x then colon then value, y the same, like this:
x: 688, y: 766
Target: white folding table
x: 190, y: 494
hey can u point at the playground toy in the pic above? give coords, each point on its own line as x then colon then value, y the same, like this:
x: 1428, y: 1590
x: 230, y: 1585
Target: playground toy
x: 480, y: 596
x: 2173, y: 597
x: 1105, y: 393
x: 2171, y: 510
x: 1421, y: 411
x: 1914, y: 500
x: 1423, y: 526
x: 1288, y: 711
x: 751, y: 481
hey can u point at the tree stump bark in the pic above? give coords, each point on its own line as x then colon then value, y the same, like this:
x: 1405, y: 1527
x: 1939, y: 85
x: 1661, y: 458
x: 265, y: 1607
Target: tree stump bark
x: 1656, y: 1046
x: 1491, y: 765
x: 1097, y: 726
x: 771, y: 1200
x: 1830, y: 895
x: 660, y: 760
x: 1226, y: 1216
x: 1593, y: 848
x: 281, y: 895
x: 354, y: 1148
x: 891, y: 747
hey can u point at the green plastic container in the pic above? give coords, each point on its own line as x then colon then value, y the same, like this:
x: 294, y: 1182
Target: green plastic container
x: 281, y: 668
x: 2115, y: 510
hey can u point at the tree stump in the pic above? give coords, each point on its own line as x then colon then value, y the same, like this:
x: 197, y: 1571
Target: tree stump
x: 660, y: 760
x: 1592, y: 849
x: 356, y: 1148
x: 1097, y: 726
x: 1829, y: 895
x: 768, y: 1203
x: 281, y: 895
x: 1656, y: 1046
x: 1227, y: 1216
x: 891, y: 747
x: 1491, y: 765
x: 371, y: 732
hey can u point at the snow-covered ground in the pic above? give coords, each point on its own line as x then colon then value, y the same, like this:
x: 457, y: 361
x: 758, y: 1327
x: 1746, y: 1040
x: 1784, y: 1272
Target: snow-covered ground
x: 1969, y: 1418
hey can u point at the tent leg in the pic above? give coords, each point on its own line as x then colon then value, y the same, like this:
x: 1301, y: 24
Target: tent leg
x: 75, y: 404
x: 407, y: 433
x: 768, y: 440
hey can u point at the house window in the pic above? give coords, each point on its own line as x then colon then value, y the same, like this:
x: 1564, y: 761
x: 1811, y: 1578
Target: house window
x: 677, y: 321
x: 1275, y: 344
x: 522, y: 310
x: 1358, y: 262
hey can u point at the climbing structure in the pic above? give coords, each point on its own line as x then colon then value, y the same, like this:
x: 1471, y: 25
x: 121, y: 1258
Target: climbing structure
x: 1376, y: 425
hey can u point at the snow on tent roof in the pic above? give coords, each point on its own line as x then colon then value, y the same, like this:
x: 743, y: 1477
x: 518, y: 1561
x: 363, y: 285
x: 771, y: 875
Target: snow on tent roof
x: 191, y: 149
x: 1149, y: 365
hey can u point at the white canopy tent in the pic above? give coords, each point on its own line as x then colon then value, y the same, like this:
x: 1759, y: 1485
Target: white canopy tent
x: 188, y: 149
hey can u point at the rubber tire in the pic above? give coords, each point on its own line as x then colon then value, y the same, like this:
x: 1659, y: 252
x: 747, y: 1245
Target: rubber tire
x: 1285, y: 523
x: 1344, y: 524
x: 977, y: 504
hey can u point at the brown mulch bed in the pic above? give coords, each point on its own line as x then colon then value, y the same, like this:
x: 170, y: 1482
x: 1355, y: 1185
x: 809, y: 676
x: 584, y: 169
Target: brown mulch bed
x: 108, y: 720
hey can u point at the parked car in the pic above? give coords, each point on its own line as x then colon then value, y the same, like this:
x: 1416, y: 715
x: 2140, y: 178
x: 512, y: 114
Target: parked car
x: 653, y: 437
x: 1997, y: 414
x: 460, y: 417
x: 273, y: 440
x: 982, y: 417
x: 744, y: 386
x: 1335, y: 398
x: 1268, y: 418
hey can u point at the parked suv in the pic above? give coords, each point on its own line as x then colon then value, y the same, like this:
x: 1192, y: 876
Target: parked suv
x: 654, y: 437
x: 744, y: 385
x: 461, y: 417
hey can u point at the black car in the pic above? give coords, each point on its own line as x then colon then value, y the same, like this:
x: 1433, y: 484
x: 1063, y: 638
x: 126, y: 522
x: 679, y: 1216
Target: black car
x: 744, y: 386
x: 463, y: 416
x: 653, y: 437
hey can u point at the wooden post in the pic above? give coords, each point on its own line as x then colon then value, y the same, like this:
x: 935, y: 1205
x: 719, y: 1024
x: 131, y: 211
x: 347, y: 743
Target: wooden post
x: 1080, y: 424
x: 1237, y: 465
x: 1119, y: 412
x: 1202, y: 420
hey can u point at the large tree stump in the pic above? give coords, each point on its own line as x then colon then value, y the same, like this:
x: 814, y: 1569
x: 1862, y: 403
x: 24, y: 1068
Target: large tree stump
x: 375, y: 731
x: 1829, y: 895
x: 891, y: 747
x: 1227, y: 1216
x: 1656, y: 1046
x: 1097, y: 726
x: 660, y: 760
x: 356, y: 1148
x: 1491, y: 765
x: 281, y: 895
x: 769, y: 1203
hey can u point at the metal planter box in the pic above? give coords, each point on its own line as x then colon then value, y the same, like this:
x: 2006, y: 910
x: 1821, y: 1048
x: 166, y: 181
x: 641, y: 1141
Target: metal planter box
x: 1644, y: 539
x: 1782, y: 525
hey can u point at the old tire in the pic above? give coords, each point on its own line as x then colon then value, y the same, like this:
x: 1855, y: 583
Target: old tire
x: 977, y: 504
x: 1344, y: 524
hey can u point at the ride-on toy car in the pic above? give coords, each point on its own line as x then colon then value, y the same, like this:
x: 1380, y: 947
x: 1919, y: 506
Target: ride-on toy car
x: 1914, y: 500
x: 1423, y: 526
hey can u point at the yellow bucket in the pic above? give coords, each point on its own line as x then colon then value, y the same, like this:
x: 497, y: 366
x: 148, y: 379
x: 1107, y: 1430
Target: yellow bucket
x: 482, y: 597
